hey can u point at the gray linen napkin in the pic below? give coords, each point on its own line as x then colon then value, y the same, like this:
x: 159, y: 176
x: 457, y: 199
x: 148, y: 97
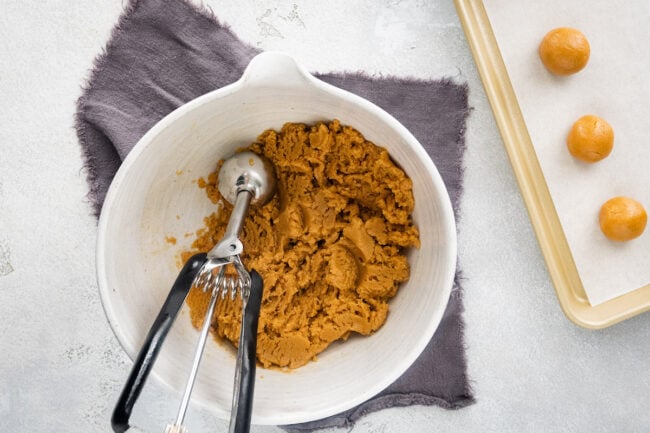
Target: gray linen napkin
x: 163, y: 53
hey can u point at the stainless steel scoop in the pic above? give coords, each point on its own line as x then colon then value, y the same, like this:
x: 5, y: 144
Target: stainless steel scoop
x: 245, y: 179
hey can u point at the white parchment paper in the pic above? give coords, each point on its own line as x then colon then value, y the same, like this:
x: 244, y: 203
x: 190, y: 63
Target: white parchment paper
x: 615, y: 85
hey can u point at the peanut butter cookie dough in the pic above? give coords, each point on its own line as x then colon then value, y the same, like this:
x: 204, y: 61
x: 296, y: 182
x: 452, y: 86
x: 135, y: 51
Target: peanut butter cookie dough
x: 330, y: 246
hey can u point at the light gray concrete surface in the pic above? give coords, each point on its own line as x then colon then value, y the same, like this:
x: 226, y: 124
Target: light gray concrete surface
x: 61, y: 368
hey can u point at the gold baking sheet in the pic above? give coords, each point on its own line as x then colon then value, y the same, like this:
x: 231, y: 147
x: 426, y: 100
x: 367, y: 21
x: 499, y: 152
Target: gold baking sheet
x: 545, y: 220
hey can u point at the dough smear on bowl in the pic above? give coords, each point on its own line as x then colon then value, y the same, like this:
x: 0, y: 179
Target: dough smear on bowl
x: 330, y: 246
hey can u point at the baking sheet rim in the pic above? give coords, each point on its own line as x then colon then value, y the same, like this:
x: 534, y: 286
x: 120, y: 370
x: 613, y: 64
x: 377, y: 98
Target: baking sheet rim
x: 546, y: 223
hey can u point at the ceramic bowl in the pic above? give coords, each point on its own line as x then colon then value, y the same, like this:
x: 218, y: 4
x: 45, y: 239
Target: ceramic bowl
x: 154, y: 195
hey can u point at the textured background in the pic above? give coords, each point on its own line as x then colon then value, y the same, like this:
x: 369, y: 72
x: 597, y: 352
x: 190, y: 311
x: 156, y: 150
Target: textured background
x: 61, y: 367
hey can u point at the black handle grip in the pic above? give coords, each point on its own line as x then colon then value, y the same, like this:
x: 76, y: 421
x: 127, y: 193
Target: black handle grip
x: 149, y: 351
x: 249, y: 341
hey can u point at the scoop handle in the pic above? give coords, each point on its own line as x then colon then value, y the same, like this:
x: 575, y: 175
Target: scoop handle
x: 242, y: 408
x: 153, y: 342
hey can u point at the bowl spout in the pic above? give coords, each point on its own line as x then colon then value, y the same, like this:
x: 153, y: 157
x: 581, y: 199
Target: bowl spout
x: 274, y: 68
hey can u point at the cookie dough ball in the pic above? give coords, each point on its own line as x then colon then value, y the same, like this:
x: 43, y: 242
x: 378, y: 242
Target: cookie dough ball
x: 564, y: 51
x: 622, y: 219
x: 591, y: 138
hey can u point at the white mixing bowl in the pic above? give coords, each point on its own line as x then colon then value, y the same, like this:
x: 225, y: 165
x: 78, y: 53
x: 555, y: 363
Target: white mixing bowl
x: 155, y: 195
